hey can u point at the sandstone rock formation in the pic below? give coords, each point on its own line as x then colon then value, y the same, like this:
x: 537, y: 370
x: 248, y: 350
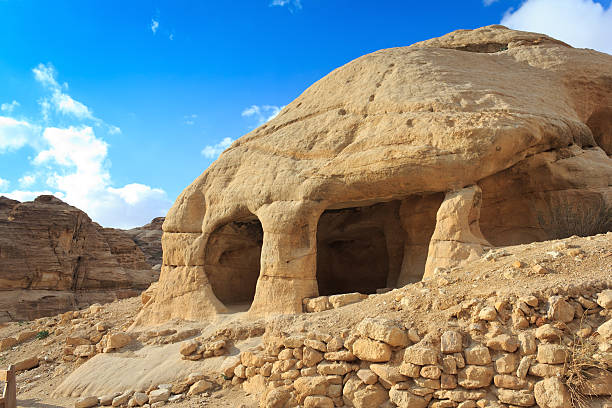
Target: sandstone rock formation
x: 148, y: 239
x: 54, y: 258
x: 380, y: 155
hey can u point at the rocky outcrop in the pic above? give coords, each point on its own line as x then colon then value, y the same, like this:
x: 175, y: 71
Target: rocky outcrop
x: 54, y: 258
x: 395, y: 133
x: 148, y: 239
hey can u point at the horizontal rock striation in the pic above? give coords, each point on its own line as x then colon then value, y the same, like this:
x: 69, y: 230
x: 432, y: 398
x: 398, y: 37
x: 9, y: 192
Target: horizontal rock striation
x: 53, y: 258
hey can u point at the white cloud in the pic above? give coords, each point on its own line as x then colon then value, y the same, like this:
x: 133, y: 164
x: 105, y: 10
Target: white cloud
x: 190, y: 119
x: 9, y: 107
x: 114, y: 130
x: 263, y: 113
x: 72, y: 162
x: 14, y: 134
x: 580, y: 23
x: 62, y: 102
x: 292, y: 4
x: 4, y: 183
x: 171, y: 37
x: 82, y: 175
x: 154, y: 25
x: 489, y: 2
x: 45, y: 74
x: 27, y: 181
x: 212, y: 151
x: 22, y: 195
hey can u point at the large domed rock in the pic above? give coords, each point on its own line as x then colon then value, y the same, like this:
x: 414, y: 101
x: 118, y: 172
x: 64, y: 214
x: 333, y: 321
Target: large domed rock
x: 399, y: 162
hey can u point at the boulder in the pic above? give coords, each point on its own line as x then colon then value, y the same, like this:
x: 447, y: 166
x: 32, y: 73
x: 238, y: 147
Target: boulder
x: 86, y: 402
x: 371, y: 350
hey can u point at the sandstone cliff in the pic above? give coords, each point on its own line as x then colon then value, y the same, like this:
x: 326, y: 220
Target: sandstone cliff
x: 53, y: 257
x: 148, y: 239
x: 421, y: 157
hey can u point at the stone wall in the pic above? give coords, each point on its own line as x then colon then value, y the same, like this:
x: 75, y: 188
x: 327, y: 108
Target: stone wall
x: 516, y: 352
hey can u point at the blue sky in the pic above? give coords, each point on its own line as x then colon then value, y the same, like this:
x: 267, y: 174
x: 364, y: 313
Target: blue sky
x: 117, y: 106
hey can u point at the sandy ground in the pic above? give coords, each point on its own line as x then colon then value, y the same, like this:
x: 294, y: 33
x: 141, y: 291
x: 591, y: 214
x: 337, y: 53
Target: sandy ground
x: 574, y: 265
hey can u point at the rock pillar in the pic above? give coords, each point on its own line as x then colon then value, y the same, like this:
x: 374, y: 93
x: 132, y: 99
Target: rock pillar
x: 457, y: 237
x: 288, y: 256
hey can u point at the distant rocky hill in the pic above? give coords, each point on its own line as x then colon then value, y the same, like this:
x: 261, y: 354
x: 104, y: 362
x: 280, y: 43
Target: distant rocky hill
x: 148, y: 239
x: 54, y: 258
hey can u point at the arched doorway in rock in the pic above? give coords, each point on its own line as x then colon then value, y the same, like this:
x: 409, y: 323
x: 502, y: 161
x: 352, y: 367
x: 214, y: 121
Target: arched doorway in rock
x: 232, y: 262
x: 368, y: 248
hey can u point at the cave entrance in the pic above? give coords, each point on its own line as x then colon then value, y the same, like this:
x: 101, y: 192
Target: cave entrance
x: 232, y: 262
x: 359, y: 249
x: 384, y: 245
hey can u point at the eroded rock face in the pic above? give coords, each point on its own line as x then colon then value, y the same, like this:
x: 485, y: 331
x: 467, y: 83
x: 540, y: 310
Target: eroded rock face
x: 148, y: 239
x: 52, y: 253
x: 506, y: 122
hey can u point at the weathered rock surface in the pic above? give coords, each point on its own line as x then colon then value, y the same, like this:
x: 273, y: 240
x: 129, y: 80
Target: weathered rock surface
x: 54, y: 258
x: 148, y: 239
x: 519, y: 117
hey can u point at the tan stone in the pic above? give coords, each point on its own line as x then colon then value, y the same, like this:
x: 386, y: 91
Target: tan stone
x: 548, y: 332
x: 431, y: 371
x: 523, y: 367
x: 228, y: 366
x: 560, y: 310
x: 160, y: 395
x: 84, y: 351
x: 7, y: 343
x: 475, y: 377
x: 451, y: 342
x: 371, y: 350
x: 604, y: 299
x: 318, y: 401
x: 509, y: 381
x: 388, y: 373
x: 305, y: 386
x: 116, y: 341
x: 250, y: 359
x: 383, y: 330
x: 188, y: 347
x: 343, y: 355
x: 410, y: 370
x: 605, y: 330
x: 421, y: 355
x: 334, y: 368
x: 507, y: 363
x: 27, y: 364
x: 311, y: 357
x: 86, y: 402
x: 478, y: 355
x: 488, y: 313
x: 367, y: 376
x: 552, y: 393
x: 316, y: 344
x: 77, y: 341
x: 552, y: 354
x: 199, y: 387
x: 521, y: 398
x: 346, y: 299
x: 503, y: 342
x: 546, y: 370
x: 448, y: 382
x: 405, y: 399
x: 527, y: 343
